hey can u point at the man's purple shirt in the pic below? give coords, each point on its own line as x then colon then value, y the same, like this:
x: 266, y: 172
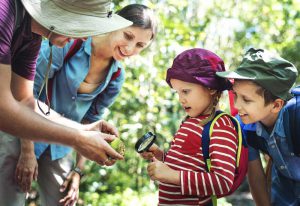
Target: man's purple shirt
x: 18, y: 48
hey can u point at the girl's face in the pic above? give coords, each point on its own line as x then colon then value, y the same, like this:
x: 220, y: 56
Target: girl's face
x: 129, y: 41
x: 194, y: 98
x: 251, y: 106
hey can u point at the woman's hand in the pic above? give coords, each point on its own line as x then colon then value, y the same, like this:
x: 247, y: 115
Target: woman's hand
x: 26, y: 170
x: 72, y: 185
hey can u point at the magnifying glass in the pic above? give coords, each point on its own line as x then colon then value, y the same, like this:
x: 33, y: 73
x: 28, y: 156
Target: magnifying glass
x: 145, y: 142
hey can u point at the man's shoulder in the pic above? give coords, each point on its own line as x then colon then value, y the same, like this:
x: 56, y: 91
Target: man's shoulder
x: 7, y: 5
x: 7, y: 14
x: 7, y: 19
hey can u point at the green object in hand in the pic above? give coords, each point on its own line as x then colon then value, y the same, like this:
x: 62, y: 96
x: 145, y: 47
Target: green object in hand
x: 118, y: 145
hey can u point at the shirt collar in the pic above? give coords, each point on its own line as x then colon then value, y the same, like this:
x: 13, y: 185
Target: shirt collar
x: 88, y: 46
x: 278, y: 129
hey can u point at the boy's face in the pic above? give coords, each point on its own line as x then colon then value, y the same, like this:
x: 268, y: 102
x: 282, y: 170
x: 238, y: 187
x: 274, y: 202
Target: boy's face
x: 251, y: 106
x: 194, y: 98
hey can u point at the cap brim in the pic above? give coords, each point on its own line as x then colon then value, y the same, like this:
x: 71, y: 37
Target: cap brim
x: 72, y: 24
x: 233, y: 75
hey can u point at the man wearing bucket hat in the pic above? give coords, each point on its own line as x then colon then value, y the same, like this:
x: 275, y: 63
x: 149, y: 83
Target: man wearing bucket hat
x: 262, y: 86
x: 22, y: 25
x: 89, y: 104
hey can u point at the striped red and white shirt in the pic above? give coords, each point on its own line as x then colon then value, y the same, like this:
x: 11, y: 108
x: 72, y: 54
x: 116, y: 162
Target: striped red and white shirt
x: 185, y: 155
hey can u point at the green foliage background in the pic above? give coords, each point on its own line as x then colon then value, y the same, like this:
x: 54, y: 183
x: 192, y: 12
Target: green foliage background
x: 146, y: 103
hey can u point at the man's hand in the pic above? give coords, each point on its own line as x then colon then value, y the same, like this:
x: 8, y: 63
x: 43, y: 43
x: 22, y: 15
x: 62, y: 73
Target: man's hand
x: 158, y: 170
x: 108, y: 132
x: 103, y: 127
x: 94, y: 146
x: 26, y: 170
x: 72, y: 185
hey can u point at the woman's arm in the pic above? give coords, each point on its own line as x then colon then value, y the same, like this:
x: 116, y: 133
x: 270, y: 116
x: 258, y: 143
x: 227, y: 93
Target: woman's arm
x: 72, y: 183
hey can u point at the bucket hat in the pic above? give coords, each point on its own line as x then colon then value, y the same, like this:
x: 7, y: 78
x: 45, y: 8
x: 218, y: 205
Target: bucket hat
x: 198, y: 66
x: 75, y: 18
x: 268, y: 70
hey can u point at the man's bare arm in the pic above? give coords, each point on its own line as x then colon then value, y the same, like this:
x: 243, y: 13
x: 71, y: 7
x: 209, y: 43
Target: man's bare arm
x: 21, y: 121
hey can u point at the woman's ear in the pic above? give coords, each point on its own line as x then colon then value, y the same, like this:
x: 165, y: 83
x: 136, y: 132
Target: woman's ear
x: 277, y: 105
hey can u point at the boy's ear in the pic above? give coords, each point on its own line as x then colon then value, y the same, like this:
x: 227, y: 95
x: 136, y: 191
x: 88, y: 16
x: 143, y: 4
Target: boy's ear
x: 278, y: 105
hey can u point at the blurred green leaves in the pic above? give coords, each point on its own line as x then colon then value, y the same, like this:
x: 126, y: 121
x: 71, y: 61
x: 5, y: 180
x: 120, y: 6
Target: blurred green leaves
x: 146, y: 103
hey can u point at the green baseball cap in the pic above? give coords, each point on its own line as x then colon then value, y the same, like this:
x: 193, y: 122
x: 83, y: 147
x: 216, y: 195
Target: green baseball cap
x: 266, y: 69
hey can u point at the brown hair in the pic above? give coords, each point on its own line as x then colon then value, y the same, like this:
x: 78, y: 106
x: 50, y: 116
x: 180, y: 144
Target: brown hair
x: 261, y: 91
x: 141, y: 16
x: 216, y: 98
x: 266, y: 94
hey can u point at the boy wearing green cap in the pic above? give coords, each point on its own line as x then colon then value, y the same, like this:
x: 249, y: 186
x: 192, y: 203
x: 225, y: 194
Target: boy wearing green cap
x: 261, y: 85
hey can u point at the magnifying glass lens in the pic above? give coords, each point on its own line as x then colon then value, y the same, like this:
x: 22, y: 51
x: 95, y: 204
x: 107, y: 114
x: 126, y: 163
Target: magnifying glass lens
x: 145, y: 144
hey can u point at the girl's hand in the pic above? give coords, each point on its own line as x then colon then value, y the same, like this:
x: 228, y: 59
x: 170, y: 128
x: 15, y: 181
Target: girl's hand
x: 158, y: 170
x: 72, y: 184
x: 153, y: 151
x: 147, y: 155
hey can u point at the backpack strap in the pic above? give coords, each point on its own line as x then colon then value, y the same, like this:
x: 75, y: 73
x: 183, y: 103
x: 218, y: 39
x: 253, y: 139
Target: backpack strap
x: 293, y: 111
x: 73, y: 49
x: 206, y: 134
x: 116, y: 74
x: 205, y: 147
x: 207, y: 131
x: 256, y: 141
x: 206, y: 140
x: 233, y: 109
x: 240, y: 138
x: 20, y: 13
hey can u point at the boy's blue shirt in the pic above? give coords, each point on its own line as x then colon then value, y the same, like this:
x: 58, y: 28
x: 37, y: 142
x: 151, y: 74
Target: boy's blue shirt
x: 286, y: 166
x: 65, y: 99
